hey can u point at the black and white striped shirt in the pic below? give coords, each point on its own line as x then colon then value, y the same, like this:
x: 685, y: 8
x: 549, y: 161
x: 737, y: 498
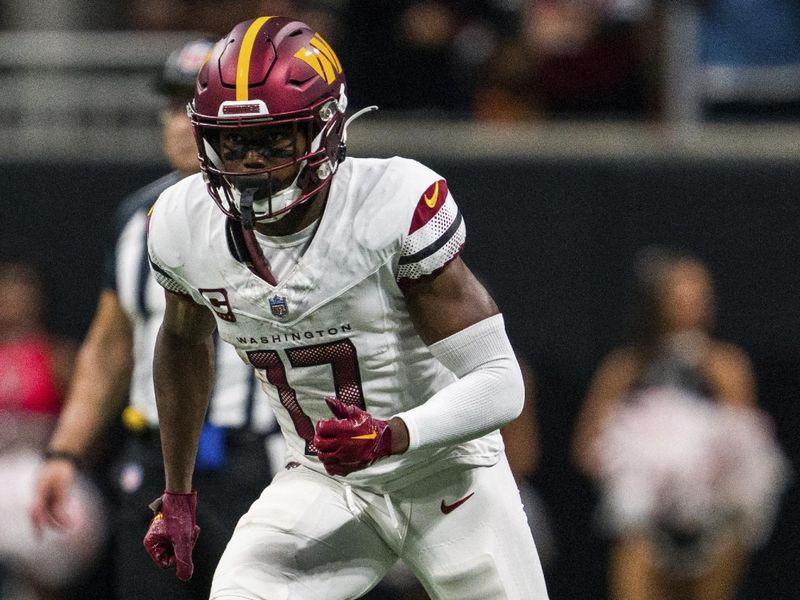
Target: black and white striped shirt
x: 237, y: 401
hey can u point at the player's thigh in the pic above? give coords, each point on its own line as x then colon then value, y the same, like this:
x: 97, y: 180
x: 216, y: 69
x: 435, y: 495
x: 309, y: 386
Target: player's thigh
x: 300, y: 540
x: 480, y: 548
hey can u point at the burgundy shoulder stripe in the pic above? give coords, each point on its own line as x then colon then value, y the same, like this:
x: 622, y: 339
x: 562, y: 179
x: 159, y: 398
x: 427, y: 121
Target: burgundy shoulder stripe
x: 429, y: 204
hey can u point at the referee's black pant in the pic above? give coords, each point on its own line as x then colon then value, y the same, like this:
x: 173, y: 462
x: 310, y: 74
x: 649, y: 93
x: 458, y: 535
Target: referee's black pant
x: 224, y: 495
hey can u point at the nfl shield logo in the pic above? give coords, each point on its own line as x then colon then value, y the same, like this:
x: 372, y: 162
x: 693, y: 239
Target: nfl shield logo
x: 277, y: 305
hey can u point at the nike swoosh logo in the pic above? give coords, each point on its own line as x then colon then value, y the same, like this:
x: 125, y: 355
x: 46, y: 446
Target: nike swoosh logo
x: 448, y: 508
x: 431, y: 202
x: 366, y: 436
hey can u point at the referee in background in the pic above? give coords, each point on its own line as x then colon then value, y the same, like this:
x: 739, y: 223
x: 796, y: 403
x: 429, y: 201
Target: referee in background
x: 240, y: 447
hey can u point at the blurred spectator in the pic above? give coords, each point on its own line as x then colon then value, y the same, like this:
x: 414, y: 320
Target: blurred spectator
x: 324, y: 16
x: 688, y: 468
x: 34, y: 369
x: 199, y: 15
x: 511, y: 60
x: 414, y: 55
x: 570, y: 58
x: 192, y: 15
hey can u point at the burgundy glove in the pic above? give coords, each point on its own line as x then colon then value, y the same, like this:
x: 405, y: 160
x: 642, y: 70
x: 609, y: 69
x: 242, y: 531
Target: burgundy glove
x: 173, y: 532
x: 353, y: 440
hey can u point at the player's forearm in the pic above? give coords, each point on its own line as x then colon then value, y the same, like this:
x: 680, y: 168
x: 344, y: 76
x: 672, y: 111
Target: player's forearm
x: 488, y: 394
x: 473, y: 406
x: 97, y: 388
x: 182, y: 374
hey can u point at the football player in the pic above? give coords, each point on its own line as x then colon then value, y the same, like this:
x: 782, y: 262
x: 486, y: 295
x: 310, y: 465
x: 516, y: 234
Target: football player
x: 340, y: 281
x: 117, y: 357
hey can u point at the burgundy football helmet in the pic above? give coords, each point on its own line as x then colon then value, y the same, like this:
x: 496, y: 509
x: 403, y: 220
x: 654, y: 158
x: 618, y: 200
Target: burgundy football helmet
x: 274, y: 74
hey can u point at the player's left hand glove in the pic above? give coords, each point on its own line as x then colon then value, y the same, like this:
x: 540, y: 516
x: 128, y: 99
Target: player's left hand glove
x: 353, y: 440
x: 173, y: 532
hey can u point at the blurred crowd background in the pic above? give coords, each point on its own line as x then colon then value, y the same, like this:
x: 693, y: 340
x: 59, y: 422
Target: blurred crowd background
x: 513, y: 59
x: 584, y: 140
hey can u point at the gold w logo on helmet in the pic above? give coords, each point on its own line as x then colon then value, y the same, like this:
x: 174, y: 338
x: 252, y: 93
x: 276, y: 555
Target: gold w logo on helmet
x: 320, y: 57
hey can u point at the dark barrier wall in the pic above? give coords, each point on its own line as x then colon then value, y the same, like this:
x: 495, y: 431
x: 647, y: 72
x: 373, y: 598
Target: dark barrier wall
x: 554, y: 241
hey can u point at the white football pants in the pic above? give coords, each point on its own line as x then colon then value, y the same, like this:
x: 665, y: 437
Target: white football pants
x: 462, y: 532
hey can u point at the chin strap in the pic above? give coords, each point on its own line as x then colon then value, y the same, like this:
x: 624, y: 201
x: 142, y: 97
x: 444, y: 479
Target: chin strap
x: 257, y: 258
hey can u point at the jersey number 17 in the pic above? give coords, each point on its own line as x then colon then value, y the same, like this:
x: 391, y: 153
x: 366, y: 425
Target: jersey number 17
x: 341, y: 355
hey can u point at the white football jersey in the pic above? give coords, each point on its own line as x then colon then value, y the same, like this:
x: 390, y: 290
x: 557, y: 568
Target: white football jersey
x: 337, y: 322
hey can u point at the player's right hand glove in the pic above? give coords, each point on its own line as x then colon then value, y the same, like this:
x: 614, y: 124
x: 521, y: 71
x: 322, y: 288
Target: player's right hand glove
x: 353, y: 440
x: 173, y: 533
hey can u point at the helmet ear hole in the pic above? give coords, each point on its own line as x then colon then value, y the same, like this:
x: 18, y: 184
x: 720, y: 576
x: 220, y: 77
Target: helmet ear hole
x: 327, y: 111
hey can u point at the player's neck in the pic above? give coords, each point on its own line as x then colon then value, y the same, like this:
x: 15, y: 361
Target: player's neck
x: 298, y: 218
